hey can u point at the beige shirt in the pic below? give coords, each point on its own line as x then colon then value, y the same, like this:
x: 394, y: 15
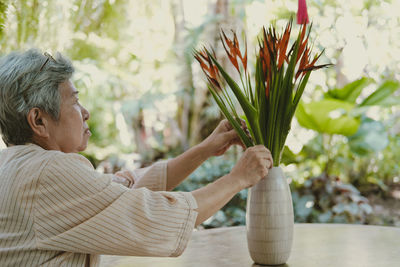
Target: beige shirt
x: 56, y: 210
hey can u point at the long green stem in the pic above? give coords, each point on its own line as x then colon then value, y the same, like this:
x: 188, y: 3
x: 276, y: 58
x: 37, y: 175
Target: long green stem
x: 245, y: 139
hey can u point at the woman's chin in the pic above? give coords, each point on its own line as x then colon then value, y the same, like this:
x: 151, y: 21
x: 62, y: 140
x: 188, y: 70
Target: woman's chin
x: 83, y: 146
x: 80, y: 149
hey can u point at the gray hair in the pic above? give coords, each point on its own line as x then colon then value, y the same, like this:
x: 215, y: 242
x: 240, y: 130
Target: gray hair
x: 26, y: 81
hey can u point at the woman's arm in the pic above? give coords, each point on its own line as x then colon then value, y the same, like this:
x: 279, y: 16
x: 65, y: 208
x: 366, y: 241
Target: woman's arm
x: 180, y: 167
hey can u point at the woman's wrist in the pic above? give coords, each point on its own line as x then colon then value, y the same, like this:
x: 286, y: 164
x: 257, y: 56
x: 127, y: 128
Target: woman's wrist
x: 204, y: 150
x: 230, y: 182
x: 238, y: 182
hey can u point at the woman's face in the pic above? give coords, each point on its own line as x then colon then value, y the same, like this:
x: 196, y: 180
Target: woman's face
x: 71, y: 132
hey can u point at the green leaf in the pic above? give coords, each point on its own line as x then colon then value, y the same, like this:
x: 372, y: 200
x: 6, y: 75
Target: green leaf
x: 378, y: 182
x: 288, y: 157
x: 300, y: 90
x: 248, y: 109
x: 292, y: 63
x: 370, y: 137
x: 351, y: 91
x: 243, y: 101
x: 390, y: 101
x: 328, y: 116
x: 262, y: 102
x: 245, y: 139
x: 381, y: 94
x: 243, y: 117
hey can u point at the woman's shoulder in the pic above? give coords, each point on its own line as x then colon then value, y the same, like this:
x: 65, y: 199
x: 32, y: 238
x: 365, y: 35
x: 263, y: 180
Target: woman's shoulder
x: 59, y: 158
x: 34, y: 155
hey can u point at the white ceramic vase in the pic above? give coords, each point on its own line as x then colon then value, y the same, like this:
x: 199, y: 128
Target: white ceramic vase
x: 269, y: 219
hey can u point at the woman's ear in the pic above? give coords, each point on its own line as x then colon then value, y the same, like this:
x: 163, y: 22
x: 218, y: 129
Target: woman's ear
x: 38, y: 121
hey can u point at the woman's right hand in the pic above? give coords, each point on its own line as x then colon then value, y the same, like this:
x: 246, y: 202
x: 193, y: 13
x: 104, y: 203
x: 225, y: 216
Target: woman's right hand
x: 252, y: 166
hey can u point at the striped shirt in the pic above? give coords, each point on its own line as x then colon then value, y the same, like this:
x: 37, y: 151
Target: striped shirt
x: 56, y: 210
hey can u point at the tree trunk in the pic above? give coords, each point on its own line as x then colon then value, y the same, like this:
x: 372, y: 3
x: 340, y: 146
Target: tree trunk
x: 192, y: 101
x: 184, y: 79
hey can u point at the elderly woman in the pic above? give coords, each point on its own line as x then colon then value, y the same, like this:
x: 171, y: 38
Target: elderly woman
x: 56, y: 210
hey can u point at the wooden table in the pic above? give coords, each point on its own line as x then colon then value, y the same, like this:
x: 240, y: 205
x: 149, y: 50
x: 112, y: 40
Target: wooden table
x: 322, y: 245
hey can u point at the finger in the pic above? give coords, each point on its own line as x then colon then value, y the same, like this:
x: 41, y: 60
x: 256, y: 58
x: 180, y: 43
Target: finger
x: 238, y: 141
x: 266, y: 159
x: 244, y: 126
x: 272, y: 162
x: 126, y: 175
x: 269, y: 164
x: 265, y: 174
x: 221, y: 127
x: 266, y: 164
x: 130, y: 176
x: 264, y: 150
x: 260, y: 148
x: 118, y: 178
x: 230, y: 135
x: 120, y: 174
x: 262, y: 154
x: 226, y: 124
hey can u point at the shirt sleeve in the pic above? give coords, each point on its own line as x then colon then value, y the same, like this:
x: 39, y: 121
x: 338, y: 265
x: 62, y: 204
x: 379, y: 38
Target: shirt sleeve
x: 80, y: 210
x: 153, y: 177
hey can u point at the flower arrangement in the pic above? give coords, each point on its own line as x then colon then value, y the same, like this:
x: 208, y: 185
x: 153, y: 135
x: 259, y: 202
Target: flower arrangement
x: 268, y: 103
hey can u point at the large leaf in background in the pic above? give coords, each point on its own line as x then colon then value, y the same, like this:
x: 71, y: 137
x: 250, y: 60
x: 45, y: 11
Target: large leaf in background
x: 288, y: 157
x: 381, y: 95
x: 328, y: 116
x: 390, y: 101
x: 351, y: 91
x: 370, y: 137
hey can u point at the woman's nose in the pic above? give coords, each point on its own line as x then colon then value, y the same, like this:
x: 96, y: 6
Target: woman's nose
x: 85, y: 114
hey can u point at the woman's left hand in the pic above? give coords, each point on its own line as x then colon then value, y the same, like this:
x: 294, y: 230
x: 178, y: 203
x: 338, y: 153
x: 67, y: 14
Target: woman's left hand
x: 222, y: 138
x: 124, y: 177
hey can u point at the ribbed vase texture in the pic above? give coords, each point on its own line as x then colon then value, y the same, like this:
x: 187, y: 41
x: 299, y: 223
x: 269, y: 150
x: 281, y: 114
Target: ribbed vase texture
x: 269, y: 219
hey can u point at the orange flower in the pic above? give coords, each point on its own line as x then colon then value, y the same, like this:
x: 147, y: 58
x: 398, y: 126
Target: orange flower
x: 283, y: 43
x: 209, y: 69
x: 303, y: 62
x: 244, y: 59
x: 268, y: 56
x: 306, y: 66
x: 234, y: 50
x: 302, y: 44
x: 265, y: 52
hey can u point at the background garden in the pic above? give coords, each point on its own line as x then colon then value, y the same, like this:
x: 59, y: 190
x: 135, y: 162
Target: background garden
x: 148, y: 98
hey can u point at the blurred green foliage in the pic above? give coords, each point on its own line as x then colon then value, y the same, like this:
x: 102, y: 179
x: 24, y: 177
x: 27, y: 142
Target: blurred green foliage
x: 325, y: 199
